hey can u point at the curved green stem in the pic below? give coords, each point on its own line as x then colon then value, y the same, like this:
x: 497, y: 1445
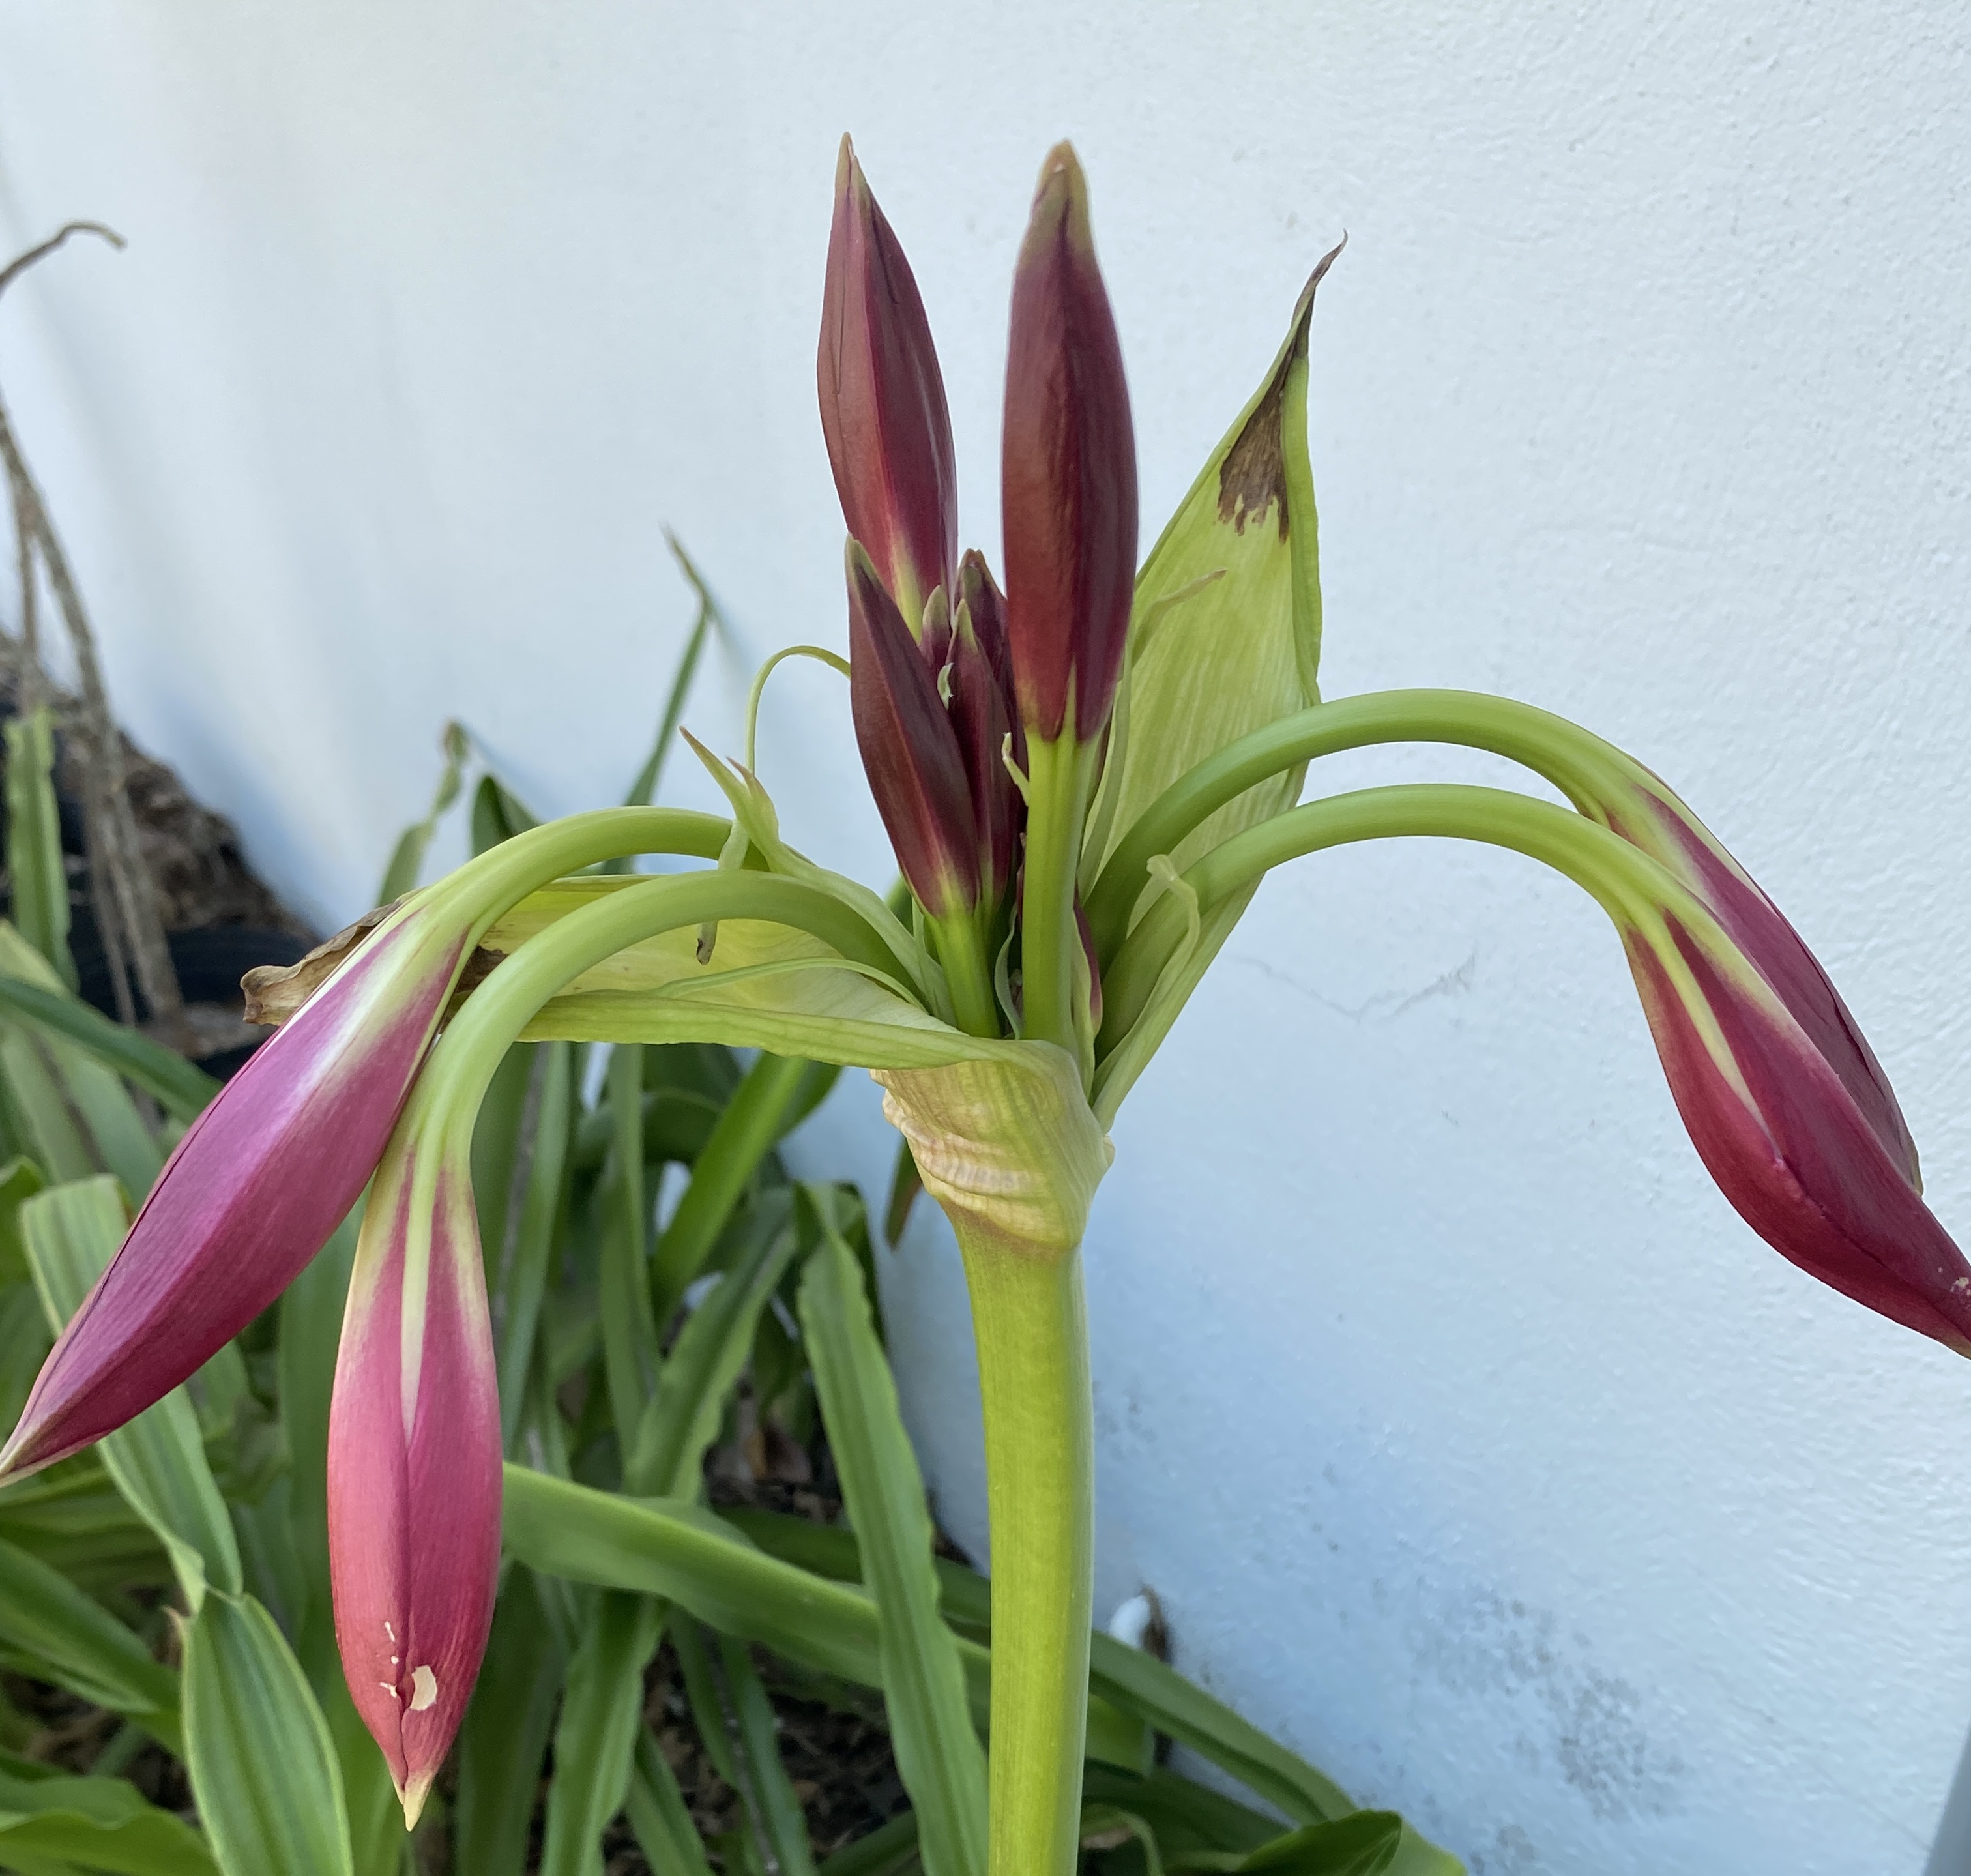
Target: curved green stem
x: 1580, y: 764
x: 462, y: 1064
x: 1602, y: 863
x: 1058, y: 774
x: 1031, y: 1323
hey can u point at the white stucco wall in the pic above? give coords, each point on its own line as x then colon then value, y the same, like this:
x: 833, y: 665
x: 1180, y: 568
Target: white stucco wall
x: 1468, y: 1437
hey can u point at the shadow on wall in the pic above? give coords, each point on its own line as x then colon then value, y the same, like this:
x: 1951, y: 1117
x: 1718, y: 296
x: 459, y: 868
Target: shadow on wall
x: 1950, y: 1855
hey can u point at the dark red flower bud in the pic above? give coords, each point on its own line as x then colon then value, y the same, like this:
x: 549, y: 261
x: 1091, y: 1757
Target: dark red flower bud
x: 910, y: 750
x: 1067, y: 471
x: 979, y: 713
x: 882, y: 402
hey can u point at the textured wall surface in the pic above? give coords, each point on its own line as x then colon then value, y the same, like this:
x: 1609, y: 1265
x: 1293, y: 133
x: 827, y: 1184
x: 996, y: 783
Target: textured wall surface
x: 1466, y: 1434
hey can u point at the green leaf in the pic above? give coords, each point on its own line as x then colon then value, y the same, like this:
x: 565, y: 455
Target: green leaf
x: 630, y: 1353
x: 407, y: 862
x: 91, y: 1051
x: 658, y: 1815
x: 100, y: 1823
x: 505, y: 1736
x: 1185, y: 1816
x: 157, y: 1460
x: 756, y: 1117
x: 1363, y: 1844
x: 497, y: 814
x: 597, y: 1738
x: 34, y: 862
x: 517, y: 1281
x: 81, y: 1646
x: 672, y: 1549
x: 1106, y: 1827
x: 1225, y: 629
x: 263, y: 1768
x: 888, y: 1850
x: 20, y: 1180
x: 72, y: 1519
x: 938, y: 1755
x: 644, y: 790
x: 771, y: 1802
x: 666, y: 1458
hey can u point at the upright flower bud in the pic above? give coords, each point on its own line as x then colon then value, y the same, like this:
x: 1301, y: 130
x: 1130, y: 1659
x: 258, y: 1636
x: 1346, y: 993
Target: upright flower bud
x: 1067, y: 471
x: 251, y: 1192
x: 1802, y: 1159
x: 910, y: 750
x: 980, y: 714
x: 883, y: 411
x: 414, y: 1464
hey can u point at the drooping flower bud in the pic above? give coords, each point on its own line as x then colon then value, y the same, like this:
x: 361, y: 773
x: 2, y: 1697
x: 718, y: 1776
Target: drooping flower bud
x: 414, y: 1465
x: 1067, y: 471
x: 980, y: 714
x: 1648, y: 815
x: 1800, y: 1156
x: 251, y: 1192
x: 883, y: 411
x: 910, y: 750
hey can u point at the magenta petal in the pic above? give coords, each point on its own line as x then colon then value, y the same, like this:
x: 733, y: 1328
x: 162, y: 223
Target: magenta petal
x: 414, y: 1480
x: 253, y: 1190
x: 1800, y: 1158
x: 1667, y: 829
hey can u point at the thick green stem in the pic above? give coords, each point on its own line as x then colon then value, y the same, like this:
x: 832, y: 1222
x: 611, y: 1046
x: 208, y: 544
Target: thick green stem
x: 1031, y: 1325
x: 1057, y: 779
x: 967, y: 974
x: 1584, y: 767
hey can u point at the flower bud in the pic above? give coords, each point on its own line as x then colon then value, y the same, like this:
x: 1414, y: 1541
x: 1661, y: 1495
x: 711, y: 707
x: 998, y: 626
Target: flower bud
x: 1067, y: 471
x: 414, y: 1466
x: 252, y: 1191
x: 910, y: 750
x: 980, y: 714
x: 883, y: 411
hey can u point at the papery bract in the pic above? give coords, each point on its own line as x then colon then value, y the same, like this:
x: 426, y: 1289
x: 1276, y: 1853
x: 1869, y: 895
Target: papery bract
x: 251, y: 1194
x: 910, y: 750
x: 414, y: 1466
x: 1067, y: 471
x: 1790, y: 1145
x: 883, y: 410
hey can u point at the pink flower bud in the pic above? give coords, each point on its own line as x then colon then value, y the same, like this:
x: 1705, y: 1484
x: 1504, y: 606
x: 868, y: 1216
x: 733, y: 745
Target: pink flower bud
x: 252, y: 1191
x: 1067, y: 471
x: 414, y: 1466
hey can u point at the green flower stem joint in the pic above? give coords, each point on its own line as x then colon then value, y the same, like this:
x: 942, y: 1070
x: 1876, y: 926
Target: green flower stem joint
x: 1084, y: 779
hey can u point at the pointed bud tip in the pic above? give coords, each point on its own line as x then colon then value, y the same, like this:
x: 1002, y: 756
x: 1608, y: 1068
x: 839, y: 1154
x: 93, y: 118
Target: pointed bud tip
x: 411, y: 1797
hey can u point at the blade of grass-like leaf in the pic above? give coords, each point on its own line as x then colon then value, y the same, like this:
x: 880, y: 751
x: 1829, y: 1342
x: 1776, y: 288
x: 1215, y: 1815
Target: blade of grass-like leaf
x: 667, y: 1457
x: 672, y: 1549
x: 157, y: 1460
x: 630, y: 1354
x: 34, y: 865
x: 20, y: 1180
x: 888, y: 1850
x: 1186, y: 1816
x: 658, y: 1815
x: 505, y: 1737
x: 407, y: 860
x: 99, y: 1823
x: 81, y: 1646
x: 181, y: 1089
x: 376, y: 1839
x: 938, y: 1755
x: 1133, y: 1680
x: 644, y: 790
x: 1363, y: 1844
x: 497, y: 814
x: 596, y: 1739
x: 1106, y: 1827
x: 527, y: 1244
x: 263, y: 1769
x: 769, y: 1792
x: 692, y: 1645
x: 745, y: 1133
x: 311, y: 1321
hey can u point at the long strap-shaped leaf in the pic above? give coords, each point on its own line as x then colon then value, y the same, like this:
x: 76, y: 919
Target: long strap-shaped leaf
x: 670, y: 1548
x: 938, y: 1754
x: 96, y: 1823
